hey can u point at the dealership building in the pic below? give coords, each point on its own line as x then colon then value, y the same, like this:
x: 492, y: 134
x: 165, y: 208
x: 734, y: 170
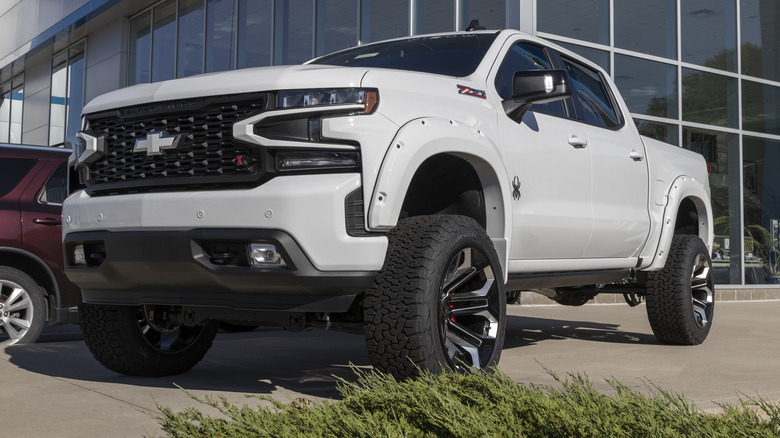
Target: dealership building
x: 700, y: 74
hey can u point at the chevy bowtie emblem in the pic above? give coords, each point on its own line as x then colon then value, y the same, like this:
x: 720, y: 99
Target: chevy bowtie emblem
x: 156, y: 142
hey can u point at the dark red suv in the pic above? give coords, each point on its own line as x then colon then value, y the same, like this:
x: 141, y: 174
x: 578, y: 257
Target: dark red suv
x: 33, y: 287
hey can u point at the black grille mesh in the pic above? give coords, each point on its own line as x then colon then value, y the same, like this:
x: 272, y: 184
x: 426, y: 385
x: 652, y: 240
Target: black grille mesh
x: 206, y: 155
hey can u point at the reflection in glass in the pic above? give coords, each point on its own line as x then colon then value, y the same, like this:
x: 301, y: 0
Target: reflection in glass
x: 5, y: 116
x: 586, y: 20
x: 760, y: 28
x: 600, y: 57
x: 219, y: 35
x: 709, y: 98
x: 75, y: 101
x: 721, y: 151
x: 17, y: 101
x: 164, y: 37
x: 490, y: 13
x: 710, y: 33
x: 659, y: 131
x: 140, y: 48
x: 190, y: 39
x: 59, y: 89
x: 647, y: 26
x: 336, y: 25
x: 381, y: 20
x: 762, y: 210
x: 254, y: 33
x: 293, y: 25
x: 433, y: 16
x: 760, y: 106
x: 647, y: 87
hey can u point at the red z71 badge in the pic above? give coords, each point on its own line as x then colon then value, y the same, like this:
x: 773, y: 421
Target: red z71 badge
x: 462, y: 89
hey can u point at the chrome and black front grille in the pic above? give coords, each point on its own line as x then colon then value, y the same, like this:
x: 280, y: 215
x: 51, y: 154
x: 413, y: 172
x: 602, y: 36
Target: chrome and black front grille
x: 204, y: 155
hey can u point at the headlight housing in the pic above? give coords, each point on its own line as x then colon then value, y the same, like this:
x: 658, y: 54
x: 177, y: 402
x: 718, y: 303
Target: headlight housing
x: 364, y: 100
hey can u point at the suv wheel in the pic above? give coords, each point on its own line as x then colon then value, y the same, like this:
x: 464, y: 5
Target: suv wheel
x: 680, y: 297
x: 439, y: 302
x: 123, y: 340
x: 22, y: 307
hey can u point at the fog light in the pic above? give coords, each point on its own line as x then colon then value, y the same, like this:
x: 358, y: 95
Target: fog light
x: 78, y: 255
x: 265, y: 255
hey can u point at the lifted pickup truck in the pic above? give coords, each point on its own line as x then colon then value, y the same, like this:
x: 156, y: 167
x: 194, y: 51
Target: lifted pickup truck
x: 404, y: 190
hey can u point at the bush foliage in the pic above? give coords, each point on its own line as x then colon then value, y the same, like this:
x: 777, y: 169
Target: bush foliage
x: 476, y: 405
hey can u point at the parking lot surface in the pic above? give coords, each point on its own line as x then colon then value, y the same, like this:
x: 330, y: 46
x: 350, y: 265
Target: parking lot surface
x: 56, y: 388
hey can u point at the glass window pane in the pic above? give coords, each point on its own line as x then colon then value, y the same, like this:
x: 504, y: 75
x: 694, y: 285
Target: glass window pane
x: 336, y: 25
x: 140, y: 48
x: 5, y: 116
x: 647, y: 87
x: 190, y: 40
x: 17, y: 100
x: 647, y: 26
x: 600, y: 57
x: 434, y: 16
x: 12, y: 170
x: 59, y: 89
x: 760, y: 106
x: 381, y: 20
x: 594, y: 99
x: 721, y: 151
x: 709, y: 98
x: 254, y: 33
x: 762, y: 210
x: 586, y: 20
x: 710, y: 36
x: 219, y: 35
x: 75, y: 102
x: 659, y: 131
x: 760, y: 29
x: 490, y: 13
x: 164, y: 41
x: 523, y: 56
x: 293, y: 27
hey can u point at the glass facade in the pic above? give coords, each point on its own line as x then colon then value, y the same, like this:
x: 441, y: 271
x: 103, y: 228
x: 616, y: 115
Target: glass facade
x: 11, y: 103
x: 67, y: 95
x: 704, y: 75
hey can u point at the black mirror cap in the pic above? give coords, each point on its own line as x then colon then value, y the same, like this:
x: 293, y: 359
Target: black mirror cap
x: 536, y: 86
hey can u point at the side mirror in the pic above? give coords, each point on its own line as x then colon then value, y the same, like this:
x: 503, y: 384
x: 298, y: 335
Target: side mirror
x: 536, y: 86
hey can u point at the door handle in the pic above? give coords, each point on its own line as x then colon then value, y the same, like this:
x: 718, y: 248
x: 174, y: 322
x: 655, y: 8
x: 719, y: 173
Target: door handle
x: 47, y: 221
x: 636, y: 156
x: 578, y: 142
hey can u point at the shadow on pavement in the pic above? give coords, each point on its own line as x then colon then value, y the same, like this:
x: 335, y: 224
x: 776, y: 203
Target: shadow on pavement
x: 259, y: 362
x: 522, y: 331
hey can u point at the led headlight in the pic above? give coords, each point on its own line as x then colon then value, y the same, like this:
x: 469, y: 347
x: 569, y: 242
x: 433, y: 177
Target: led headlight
x: 365, y: 99
x: 290, y: 161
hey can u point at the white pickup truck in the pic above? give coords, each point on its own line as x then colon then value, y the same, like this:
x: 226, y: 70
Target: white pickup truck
x: 405, y: 190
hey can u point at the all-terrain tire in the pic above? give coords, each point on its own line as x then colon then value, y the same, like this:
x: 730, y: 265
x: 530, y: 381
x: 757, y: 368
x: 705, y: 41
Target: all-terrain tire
x: 680, y: 297
x: 22, y: 307
x: 439, y: 301
x: 121, y: 339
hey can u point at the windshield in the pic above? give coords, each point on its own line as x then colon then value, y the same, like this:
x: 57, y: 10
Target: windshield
x: 451, y: 55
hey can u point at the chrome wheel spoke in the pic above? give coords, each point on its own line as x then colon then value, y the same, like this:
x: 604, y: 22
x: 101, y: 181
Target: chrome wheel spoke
x: 702, y: 295
x: 9, y: 328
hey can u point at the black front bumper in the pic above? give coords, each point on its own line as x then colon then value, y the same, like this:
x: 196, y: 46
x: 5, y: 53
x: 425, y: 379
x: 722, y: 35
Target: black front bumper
x: 179, y: 268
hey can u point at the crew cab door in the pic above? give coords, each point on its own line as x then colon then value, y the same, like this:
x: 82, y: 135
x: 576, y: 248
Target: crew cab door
x: 621, y: 220
x: 549, y: 169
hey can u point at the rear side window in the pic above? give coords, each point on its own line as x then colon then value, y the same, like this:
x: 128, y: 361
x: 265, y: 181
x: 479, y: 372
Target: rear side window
x: 12, y: 170
x: 56, y: 189
x: 597, y: 104
x: 523, y: 57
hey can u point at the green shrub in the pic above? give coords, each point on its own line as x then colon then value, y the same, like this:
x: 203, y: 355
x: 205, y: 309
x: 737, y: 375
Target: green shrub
x: 476, y: 405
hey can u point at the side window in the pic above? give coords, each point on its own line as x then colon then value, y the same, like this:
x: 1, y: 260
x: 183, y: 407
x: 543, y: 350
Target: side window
x: 56, y: 189
x: 597, y: 104
x: 525, y: 56
x: 12, y: 170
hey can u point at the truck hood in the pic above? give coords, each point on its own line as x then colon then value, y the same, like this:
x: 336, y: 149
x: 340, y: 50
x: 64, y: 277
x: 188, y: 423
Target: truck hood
x: 230, y: 82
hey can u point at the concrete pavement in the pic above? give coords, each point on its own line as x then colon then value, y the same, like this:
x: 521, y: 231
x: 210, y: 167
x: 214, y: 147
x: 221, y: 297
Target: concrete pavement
x: 56, y: 388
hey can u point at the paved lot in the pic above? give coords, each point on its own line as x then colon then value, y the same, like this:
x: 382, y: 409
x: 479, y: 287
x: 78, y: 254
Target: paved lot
x: 55, y: 388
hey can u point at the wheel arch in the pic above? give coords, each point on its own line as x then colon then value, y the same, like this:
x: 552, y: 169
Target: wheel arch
x: 36, y: 268
x: 440, y: 166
